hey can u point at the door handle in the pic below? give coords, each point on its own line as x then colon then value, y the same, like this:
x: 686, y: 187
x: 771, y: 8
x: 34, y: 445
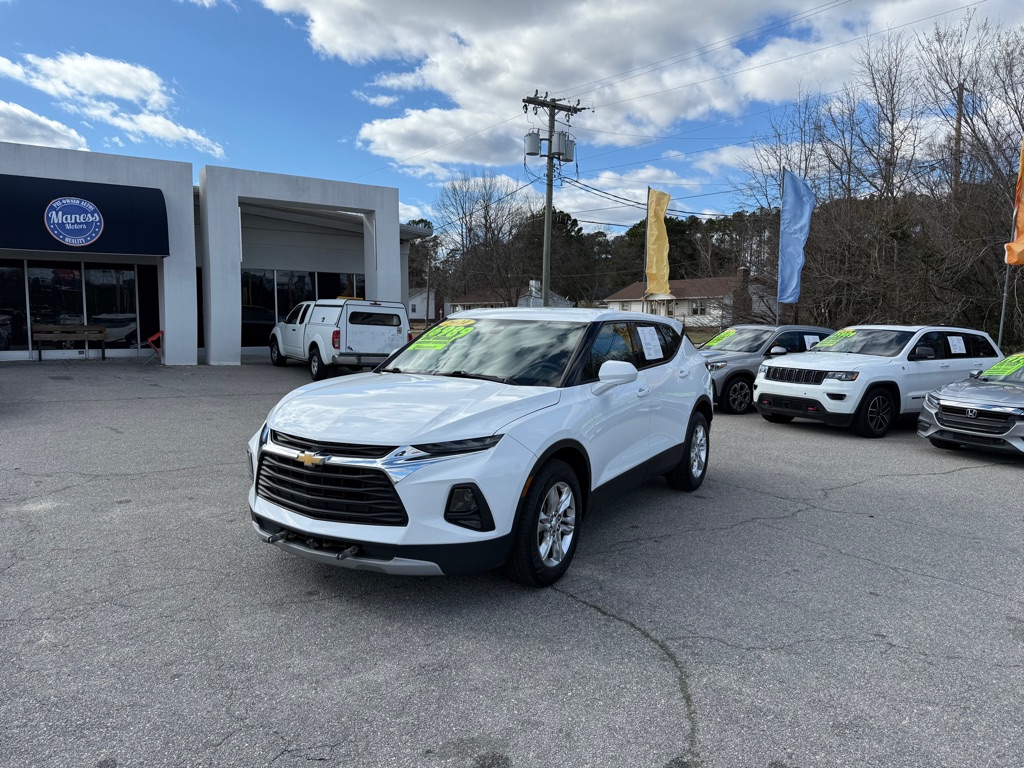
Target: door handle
x: 683, y: 372
x: 643, y: 392
x: 943, y: 365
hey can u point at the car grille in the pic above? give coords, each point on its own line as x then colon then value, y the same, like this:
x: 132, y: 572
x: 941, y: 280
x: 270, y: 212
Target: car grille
x: 349, y: 450
x: 984, y: 422
x: 794, y: 375
x: 333, y: 492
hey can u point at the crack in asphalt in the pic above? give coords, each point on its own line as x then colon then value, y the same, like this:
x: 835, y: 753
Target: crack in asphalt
x: 682, y: 676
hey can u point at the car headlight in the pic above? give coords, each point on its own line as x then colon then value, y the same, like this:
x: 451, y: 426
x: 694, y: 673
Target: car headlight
x: 450, y: 448
x: 931, y: 401
x: 264, y: 434
x: 842, y: 375
x: 716, y: 366
x: 762, y: 369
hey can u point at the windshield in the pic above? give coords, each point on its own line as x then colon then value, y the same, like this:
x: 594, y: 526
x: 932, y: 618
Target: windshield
x: 1010, y: 370
x: 525, y: 352
x: 739, y: 339
x: 865, y: 341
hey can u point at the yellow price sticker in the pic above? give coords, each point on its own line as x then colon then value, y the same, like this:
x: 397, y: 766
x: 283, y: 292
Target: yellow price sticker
x: 443, y: 334
x: 835, y: 338
x: 721, y: 337
x: 1012, y: 364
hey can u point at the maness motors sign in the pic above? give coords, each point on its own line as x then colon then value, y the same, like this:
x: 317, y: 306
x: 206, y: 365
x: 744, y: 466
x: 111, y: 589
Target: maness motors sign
x: 74, y: 221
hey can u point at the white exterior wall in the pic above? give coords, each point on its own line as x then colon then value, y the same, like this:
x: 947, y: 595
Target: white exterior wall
x: 176, y: 274
x: 220, y: 192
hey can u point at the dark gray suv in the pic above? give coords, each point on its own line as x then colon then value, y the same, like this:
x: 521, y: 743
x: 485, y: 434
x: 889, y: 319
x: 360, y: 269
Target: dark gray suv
x: 733, y: 356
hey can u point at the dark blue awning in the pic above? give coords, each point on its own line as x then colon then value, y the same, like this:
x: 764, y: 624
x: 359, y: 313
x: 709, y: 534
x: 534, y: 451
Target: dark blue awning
x: 81, y: 217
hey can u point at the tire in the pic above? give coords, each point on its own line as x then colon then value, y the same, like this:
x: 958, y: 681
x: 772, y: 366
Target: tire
x: 737, y: 395
x: 545, y: 535
x: 690, y: 472
x: 938, y: 442
x: 777, y: 418
x: 317, y: 369
x: 876, y: 414
x: 275, y: 354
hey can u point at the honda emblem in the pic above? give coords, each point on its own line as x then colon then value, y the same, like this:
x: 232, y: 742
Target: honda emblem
x: 972, y: 413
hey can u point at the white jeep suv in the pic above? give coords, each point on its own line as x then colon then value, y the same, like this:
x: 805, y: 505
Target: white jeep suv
x: 868, y: 375
x: 484, y: 442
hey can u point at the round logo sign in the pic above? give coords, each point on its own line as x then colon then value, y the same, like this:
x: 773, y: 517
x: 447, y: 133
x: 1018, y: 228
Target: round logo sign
x: 74, y: 221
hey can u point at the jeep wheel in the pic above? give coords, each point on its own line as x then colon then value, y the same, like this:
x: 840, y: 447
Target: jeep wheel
x: 737, y: 396
x: 690, y: 472
x: 275, y: 354
x: 545, y: 537
x: 876, y: 414
x: 317, y: 369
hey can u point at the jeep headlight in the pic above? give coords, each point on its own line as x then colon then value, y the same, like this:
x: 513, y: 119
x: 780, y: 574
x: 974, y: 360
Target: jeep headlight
x: 931, y: 401
x: 717, y: 365
x: 762, y: 369
x: 842, y: 375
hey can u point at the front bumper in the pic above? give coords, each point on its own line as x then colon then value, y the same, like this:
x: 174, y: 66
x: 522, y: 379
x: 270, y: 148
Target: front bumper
x: 395, y: 559
x: 832, y: 409
x: 422, y: 541
x: 985, y: 435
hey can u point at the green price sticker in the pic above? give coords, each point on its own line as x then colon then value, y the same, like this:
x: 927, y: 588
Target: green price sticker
x: 440, y: 336
x: 1012, y: 364
x: 835, y: 338
x: 721, y: 337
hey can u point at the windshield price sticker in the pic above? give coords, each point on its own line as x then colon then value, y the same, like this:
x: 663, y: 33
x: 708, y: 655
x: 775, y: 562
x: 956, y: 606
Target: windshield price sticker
x: 810, y: 341
x: 1012, y: 364
x: 721, y: 337
x: 440, y: 336
x: 835, y: 338
x: 650, y: 342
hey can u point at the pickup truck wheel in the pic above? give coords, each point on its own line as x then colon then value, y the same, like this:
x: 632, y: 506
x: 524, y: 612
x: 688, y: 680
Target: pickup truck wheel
x: 275, y: 354
x: 317, y: 369
x: 737, y: 396
x: 690, y: 472
x: 876, y: 414
x: 545, y: 537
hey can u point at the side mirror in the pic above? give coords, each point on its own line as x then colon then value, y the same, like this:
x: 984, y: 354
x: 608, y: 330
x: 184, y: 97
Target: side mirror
x: 776, y: 350
x: 975, y: 374
x: 613, y: 373
x: 922, y: 353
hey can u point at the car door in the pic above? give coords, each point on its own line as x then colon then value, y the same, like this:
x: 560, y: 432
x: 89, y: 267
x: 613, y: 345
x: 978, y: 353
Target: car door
x: 673, y: 385
x: 291, y: 331
x: 620, y: 430
x: 925, y: 375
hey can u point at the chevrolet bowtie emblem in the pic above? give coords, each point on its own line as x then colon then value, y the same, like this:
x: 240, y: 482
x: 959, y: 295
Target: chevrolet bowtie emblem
x: 310, y: 459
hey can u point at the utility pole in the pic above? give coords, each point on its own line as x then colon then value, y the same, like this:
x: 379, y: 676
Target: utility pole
x: 563, y: 150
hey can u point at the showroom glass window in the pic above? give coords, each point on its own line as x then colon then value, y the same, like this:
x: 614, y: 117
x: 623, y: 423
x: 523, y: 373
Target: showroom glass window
x: 110, y: 302
x: 13, y: 310
x: 55, y: 295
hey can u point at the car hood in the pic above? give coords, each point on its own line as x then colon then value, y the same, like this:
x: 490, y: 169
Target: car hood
x: 402, y: 408
x: 828, y: 361
x: 722, y: 354
x: 1009, y: 395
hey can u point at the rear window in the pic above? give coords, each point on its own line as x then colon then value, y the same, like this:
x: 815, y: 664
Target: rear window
x: 374, y: 318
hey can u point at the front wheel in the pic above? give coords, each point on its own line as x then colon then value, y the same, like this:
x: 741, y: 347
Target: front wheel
x: 275, y: 354
x: 737, y: 396
x: 545, y: 537
x: 876, y: 414
x: 690, y: 472
x: 317, y: 369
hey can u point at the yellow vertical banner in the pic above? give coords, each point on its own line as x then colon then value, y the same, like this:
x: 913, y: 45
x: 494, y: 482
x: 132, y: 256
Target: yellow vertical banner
x: 1015, y: 250
x: 657, y: 243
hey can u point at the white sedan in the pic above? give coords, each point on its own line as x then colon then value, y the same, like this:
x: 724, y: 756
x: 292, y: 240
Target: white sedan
x: 483, y: 443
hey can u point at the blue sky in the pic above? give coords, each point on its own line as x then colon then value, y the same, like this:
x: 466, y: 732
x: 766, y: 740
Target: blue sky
x: 406, y: 94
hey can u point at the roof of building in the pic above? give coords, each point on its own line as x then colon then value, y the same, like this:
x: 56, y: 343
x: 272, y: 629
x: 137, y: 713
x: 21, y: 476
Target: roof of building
x: 697, y: 288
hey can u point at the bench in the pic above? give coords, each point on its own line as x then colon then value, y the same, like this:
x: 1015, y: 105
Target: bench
x: 60, y: 333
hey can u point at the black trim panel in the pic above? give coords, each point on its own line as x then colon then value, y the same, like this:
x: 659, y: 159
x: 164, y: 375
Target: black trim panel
x: 798, y: 407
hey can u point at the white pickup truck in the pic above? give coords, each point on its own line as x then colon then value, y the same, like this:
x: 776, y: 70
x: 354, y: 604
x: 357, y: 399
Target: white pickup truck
x: 355, y: 333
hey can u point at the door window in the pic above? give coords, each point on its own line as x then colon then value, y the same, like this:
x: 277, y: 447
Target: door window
x: 613, y: 342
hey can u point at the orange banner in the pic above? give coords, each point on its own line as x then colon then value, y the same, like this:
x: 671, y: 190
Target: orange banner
x: 1015, y: 250
x: 657, y: 243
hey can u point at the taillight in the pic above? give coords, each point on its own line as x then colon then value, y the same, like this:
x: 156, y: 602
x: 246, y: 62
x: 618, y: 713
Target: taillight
x: 408, y: 336
x: 336, y: 339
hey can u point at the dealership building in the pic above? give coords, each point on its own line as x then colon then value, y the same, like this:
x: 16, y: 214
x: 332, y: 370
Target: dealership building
x: 130, y: 244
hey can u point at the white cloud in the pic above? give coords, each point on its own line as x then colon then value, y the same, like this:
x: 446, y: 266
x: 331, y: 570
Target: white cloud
x: 124, y: 95
x: 22, y: 126
x: 377, y: 101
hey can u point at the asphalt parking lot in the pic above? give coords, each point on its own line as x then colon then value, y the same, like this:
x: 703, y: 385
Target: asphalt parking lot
x: 822, y: 600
